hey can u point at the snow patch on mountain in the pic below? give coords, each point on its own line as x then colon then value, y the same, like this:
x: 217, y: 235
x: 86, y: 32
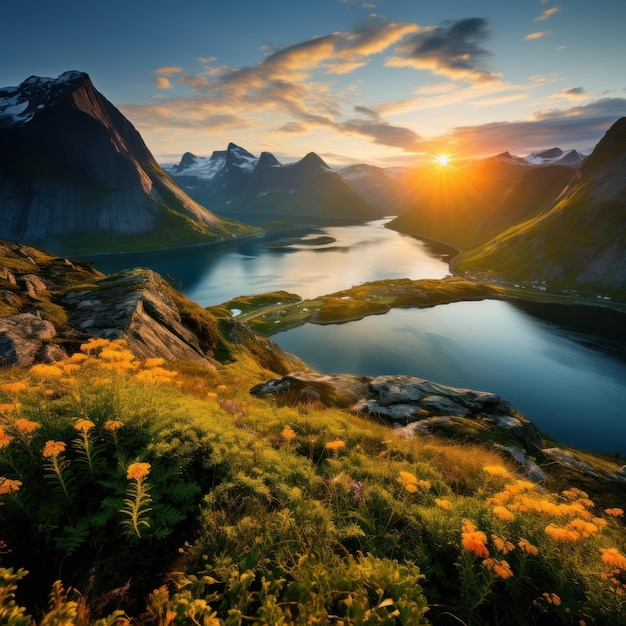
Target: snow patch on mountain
x: 15, y: 102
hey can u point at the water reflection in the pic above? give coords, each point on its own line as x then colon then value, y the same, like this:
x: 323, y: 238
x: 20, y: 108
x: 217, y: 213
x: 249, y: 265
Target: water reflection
x: 571, y: 390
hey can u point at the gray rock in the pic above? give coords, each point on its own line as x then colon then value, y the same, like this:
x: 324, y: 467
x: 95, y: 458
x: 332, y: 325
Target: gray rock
x: 25, y: 339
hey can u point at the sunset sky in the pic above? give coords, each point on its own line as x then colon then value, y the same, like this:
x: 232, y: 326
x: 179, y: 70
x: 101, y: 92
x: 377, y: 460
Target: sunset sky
x: 386, y: 82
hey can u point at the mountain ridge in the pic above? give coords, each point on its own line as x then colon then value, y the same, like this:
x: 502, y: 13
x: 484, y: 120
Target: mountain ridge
x: 76, y: 176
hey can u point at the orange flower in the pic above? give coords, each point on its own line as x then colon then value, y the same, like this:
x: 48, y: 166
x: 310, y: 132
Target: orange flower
x: 7, y: 408
x: 138, y: 471
x: 615, y: 512
x: 503, y: 513
x: 153, y: 362
x: 42, y: 370
x: 288, y: 434
x: 5, y: 439
x: 499, y: 568
x: 613, y: 557
x: 113, y: 425
x: 83, y: 425
x: 474, y: 540
x: 497, y: 470
x: 333, y: 446
x: 52, y: 449
x: 446, y: 505
x: 26, y: 427
x: 9, y: 486
x: 502, y: 545
x: 527, y: 547
x: 93, y: 344
x: 14, y: 388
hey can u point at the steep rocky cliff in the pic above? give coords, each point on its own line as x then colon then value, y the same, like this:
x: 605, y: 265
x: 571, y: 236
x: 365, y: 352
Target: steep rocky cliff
x: 76, y: 176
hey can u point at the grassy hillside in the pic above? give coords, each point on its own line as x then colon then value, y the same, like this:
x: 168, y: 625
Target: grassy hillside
x: 166, y: 494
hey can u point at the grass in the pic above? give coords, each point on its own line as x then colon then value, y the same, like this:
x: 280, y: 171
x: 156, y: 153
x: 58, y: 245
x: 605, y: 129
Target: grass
x: 374, y: 298
x: 256, y: 512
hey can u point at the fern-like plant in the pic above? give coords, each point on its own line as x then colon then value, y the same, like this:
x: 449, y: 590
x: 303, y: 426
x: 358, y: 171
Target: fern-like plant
x: 138, y: 500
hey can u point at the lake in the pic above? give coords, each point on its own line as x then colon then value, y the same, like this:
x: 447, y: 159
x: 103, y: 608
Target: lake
x: 564, y: 367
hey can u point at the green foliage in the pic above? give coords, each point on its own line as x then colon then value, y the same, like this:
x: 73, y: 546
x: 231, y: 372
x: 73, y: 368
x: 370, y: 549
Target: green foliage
x: 231, y: 509
x: 10, y: 613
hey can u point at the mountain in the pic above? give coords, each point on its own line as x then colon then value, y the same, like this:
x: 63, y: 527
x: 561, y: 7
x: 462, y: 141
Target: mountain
x: 580, y: 242
x: 555, y: 156
x: 377, y: 185
x: 76, y: 176
x: 458, y: 203
x: 235, y: 182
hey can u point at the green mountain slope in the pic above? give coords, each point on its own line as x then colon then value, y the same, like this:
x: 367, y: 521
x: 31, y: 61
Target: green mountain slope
x: 580, y: 243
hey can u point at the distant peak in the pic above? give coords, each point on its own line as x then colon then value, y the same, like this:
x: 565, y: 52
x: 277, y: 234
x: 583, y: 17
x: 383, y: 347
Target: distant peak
x: 267, y: 158
x: 187, y: 159
x: 313, y: 159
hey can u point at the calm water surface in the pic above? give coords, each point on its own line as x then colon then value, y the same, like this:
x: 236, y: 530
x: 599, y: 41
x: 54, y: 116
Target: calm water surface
x: 564, y: 367
x: 360, y: 253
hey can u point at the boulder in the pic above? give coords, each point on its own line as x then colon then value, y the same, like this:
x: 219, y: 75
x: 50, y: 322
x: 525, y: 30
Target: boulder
x: 25, y: 339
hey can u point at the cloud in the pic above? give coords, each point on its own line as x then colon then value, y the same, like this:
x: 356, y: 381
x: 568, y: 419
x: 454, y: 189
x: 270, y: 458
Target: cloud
x: 547, y: 13
x: 288, y: 89
x: 166, y: 71
x: 536, y: 35
x: 451, y: 49
x: 578, y: 127
x: 573, y: 93
x: 163, y: 83
x: 373, y: 126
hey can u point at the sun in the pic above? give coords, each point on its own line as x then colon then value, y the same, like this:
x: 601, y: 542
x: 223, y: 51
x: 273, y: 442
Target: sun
x: 441, y: 159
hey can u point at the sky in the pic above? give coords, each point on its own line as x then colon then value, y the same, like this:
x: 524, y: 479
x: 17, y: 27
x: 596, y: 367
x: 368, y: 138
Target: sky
x: 385, y: 82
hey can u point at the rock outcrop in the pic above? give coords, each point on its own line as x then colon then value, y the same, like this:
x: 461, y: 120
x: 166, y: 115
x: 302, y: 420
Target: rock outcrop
x: 50, y: 305
x: 412, y: 405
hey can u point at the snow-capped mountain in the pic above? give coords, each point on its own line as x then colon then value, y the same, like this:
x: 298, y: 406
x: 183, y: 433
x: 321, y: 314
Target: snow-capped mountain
x: 234, y: 181
x: 555, y: 156
x: 76, y: 176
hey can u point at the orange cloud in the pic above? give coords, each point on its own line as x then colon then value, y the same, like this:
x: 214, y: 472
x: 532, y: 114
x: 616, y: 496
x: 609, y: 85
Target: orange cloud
x: 163, y: 83
x: 547, y: 13
x: 536, y: 35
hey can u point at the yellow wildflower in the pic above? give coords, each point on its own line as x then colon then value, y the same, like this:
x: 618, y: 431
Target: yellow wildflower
x: 613, y: 558
x: 497, y: 470
x: 78, y: 357
x: 9, y: 486
x: 211, y: 395
x: 501, y: 512
x: 138, y: 471
x: 25, y: 427
x: 446, y: 505
x: 288, y: 434
x: 335, y: 445
x: 5, y: 439
x: 93, y: 344
x: 614, y: 512
x: 100, y: 382
x: 153, y: 362
x: 113, y: 425
x: 42, y: 370
x: 527, y: 547
x: 498, y: 567
x: 83, y: 425
x: 14, y: 388
x: 52, y: 449
x: 502, y: 545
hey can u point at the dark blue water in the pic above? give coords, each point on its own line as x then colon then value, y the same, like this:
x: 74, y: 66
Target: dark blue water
x: 564, y: 367
x: 566, y: 377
